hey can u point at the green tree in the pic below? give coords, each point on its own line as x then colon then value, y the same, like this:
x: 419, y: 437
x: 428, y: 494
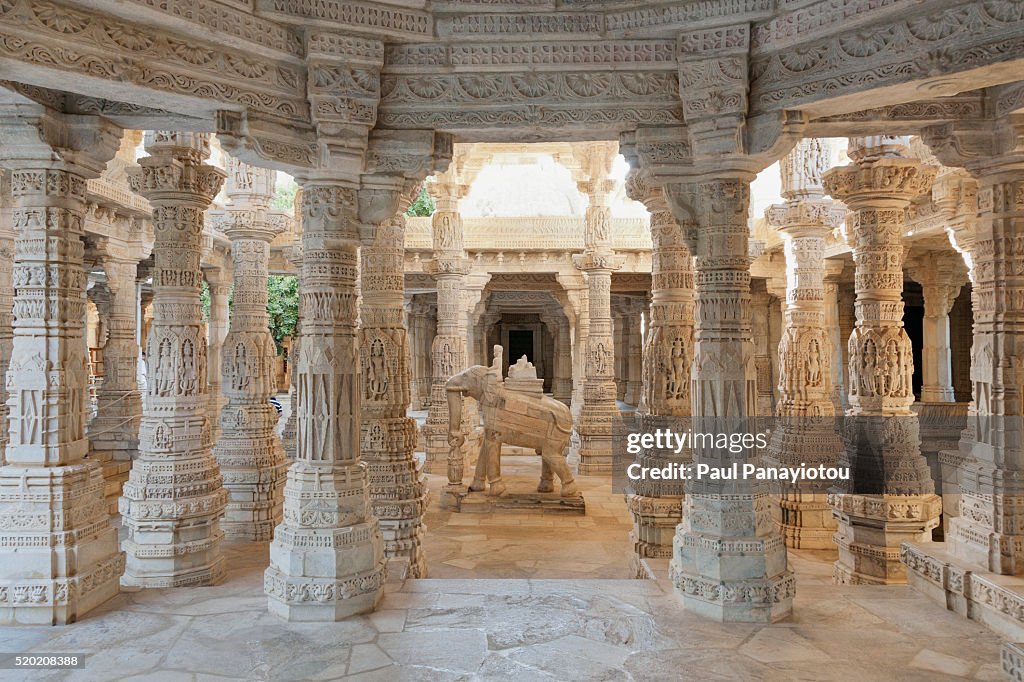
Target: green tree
x: 284, y: 198
x: 204, y: 300
x: 422, y: 205
x: 282, y: 308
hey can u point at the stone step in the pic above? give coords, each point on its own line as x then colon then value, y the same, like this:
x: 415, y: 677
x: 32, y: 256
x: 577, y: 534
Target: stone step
x: 996, y: 601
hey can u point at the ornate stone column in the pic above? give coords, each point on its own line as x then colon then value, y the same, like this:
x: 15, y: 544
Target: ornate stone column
x: 174, y: 498
x: 656, y: 506
x: 882, y: 434
x: 7, y: 240
x: 760, y: 302
x: 989, y: 530
x: 805, y: 434
x: 114, y: 432
x: 220, y: 292
x: 561, y: 388
x: 833, y: 269
x: 594, y: 425
x: 728, y: 561
x: 327, y: 556
x: 249, y: 451
x: 634, y: 350
x: 448, y: 350
x: 58, y: 551
x: 397, y: 487
x: 941, y: 276
x: 290, y: 431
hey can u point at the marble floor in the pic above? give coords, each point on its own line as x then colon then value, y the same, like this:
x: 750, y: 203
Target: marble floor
x: 530, y: 544
x: 525, y: 597
x: 513, y: 629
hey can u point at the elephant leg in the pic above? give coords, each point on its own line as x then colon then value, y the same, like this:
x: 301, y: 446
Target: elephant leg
x: 498, y: 488
x: 555, y: 458
x: 547, y: 476
x: 483, y: 464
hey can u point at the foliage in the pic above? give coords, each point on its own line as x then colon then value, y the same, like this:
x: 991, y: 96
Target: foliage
x: 204, y: 300
x: 282, y: 308
x: 284, y: 198
x: 422, y: 205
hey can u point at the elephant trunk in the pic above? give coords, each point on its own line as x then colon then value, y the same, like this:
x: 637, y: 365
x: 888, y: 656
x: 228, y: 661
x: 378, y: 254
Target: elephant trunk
x: 454, y: 413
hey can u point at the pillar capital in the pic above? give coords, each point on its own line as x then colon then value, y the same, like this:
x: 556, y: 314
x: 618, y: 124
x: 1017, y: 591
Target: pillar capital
x: 881, y: 175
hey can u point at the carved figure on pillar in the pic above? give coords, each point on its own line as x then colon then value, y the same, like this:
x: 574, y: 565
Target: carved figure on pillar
x: 880, y: 428
x: 174, y: 498
x: 249, y: 451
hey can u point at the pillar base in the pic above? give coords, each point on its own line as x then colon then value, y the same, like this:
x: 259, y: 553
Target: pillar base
x: 323, y: 600
x: 727, y: 564
x: 452, y: 496
x: 870, y: 531
x: 736, y: 601
x: 60, y: 557
x: 654, y: 524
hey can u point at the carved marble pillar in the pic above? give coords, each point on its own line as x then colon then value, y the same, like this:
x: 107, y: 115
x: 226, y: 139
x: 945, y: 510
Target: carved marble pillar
x: 249, y: 451
x: 561, y: 388
x: 7, y: 240
x: 327, y: 556
x: 448, y: 350
x: 760, y: 301
x: 989, y: 530
x: 217, y: 326
x: 619, y: 352
x: 634, y: 354
x: 114, y: 431
x: 831, y: 288
x: 58, y: 551
x: 941, y: 276
x: 174, y: 498
x: 397, y: 487
x: 805, y: 434
x: 656, y: 506
x: 882, y: 435
x: 598, y: 261
x: 728, y: 562
x: 290, y: 431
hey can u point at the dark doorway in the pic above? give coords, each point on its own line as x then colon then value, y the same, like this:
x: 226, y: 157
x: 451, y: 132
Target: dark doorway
x: 520, y: 343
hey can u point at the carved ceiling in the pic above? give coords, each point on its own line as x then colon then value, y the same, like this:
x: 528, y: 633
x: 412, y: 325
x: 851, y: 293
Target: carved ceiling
x: 297, y: 84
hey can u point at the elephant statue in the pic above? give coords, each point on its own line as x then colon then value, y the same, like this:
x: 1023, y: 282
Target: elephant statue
x: 530, y: 421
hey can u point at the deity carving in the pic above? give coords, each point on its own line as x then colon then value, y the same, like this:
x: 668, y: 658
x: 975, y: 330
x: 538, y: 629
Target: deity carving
x: 678, y: 371
x: 377, y: 372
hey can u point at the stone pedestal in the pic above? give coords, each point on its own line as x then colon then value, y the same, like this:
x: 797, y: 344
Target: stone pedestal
x: 327, y: 556
x: 174, y: 499
x: 58, y: 550
x: 249, y: 451
x: 893, y: 495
